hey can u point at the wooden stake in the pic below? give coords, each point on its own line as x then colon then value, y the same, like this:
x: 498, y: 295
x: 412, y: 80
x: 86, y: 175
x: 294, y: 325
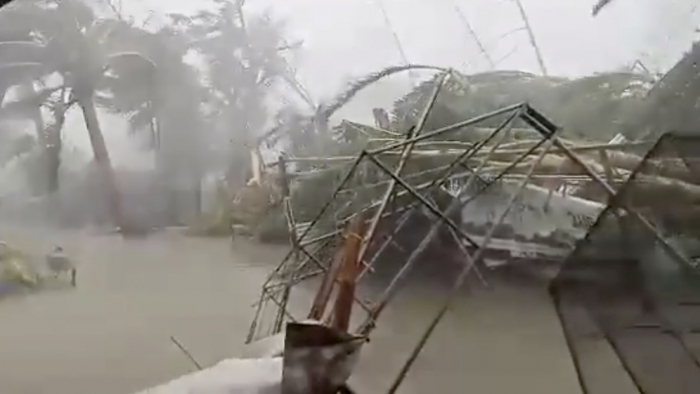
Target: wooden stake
x: 348, y: 275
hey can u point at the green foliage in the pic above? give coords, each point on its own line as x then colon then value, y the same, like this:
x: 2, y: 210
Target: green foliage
x: 244, y: 62
x: 245, y: 58
x: 593, y: 107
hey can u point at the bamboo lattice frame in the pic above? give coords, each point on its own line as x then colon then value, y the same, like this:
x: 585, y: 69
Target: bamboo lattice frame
x: 294, y: 268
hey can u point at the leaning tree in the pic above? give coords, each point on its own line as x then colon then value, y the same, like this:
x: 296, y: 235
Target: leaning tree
x: 245, y: 68
x: 94, y: 60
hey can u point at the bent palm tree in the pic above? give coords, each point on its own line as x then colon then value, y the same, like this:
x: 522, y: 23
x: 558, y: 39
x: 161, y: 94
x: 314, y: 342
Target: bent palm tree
x: 64, y: 40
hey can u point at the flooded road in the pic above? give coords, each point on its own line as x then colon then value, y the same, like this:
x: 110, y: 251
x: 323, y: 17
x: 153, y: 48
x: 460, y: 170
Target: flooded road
x: 111, y: 334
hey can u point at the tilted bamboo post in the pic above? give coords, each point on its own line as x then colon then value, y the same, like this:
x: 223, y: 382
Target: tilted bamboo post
x: 466, y: 155
x: 368, y: 325
x: 347, y: 276
x: 402, y: 163
x: 346, y: 250
x: 531, y: 36
x: 324, y: 208
x: 291, y: 229
x: 397, y: 40
x: 475, y: 37
x: 264, y: 293
x: 605, y: 161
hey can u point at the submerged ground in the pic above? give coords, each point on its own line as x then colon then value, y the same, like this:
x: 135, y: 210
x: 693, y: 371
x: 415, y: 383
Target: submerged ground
x: 111, y: 334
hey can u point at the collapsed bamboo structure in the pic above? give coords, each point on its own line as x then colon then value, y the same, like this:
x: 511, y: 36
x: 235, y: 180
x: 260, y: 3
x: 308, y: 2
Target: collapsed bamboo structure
x: 501, y: 197
x: 622, y: 288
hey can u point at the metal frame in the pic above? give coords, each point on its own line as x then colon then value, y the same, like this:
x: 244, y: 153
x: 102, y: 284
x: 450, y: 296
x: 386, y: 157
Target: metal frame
x: 289, y: 271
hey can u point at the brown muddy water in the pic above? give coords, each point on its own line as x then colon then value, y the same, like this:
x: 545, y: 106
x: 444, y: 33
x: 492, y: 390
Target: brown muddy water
x: 111, y: 334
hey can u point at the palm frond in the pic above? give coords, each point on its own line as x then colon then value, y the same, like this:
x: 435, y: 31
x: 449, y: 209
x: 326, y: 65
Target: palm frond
x: 599, y: 6
x: 326, y: 110
x: 299, y: 89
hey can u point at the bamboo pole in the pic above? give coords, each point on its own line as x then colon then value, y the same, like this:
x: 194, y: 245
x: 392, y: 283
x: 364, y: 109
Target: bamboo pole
x: 447, y: 129
x: 323, y: 294
x: 627, y: 160
x: 466, y: 155
x: 459, y: 282
x: 314, y: 260
x: 291, y: 229
x: 324, y: 208
x: 670, y: 249
x: 347, y: 277
x: 369, y: 235
x: 290, y: 253
x: 389, y: 292
x: 531, y: 36
x: 475, y: 37
x: 605, y: 161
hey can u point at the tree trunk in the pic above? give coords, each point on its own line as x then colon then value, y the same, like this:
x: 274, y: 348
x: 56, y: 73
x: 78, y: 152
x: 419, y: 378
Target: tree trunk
x: 197, y: 190
x: 53, y: 148
x: 104, y: 164
x: 40, y: 129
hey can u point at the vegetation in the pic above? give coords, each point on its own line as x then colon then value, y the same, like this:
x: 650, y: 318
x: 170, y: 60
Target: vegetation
x: 63, y: 55
x: 93, y: 60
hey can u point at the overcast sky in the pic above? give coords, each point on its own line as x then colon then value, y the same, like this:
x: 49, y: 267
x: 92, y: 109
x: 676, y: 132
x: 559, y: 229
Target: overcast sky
x: 345, y: 38
x: 348, y: 38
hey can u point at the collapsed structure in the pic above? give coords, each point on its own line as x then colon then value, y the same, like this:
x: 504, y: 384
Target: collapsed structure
x: 625, y: 286
x: 499, y: 200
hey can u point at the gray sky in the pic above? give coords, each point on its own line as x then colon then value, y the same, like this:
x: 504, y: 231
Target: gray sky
x: 344, y: 39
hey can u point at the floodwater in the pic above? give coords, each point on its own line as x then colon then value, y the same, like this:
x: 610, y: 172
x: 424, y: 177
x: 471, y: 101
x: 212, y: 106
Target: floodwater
x: 111, y: 335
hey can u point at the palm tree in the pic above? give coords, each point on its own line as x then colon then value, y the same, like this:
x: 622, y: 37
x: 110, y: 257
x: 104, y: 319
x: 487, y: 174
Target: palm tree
x: 245, y: 58
x: 170, y: 112
x: 64, y: 40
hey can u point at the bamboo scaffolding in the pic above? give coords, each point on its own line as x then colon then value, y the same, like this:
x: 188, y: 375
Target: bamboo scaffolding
x: 458, y: 283
x: 410, y: 180
x: 405, y: 154
x: 391, y: 289
x: 439, y: 181
x: 536, y: 120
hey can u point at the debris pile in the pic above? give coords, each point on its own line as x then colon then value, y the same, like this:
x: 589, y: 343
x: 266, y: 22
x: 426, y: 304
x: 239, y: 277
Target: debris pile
x: 501, y: 198
x: 634, y: 283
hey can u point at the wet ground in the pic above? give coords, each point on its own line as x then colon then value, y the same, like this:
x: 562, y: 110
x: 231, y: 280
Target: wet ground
x: 111, y: 334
